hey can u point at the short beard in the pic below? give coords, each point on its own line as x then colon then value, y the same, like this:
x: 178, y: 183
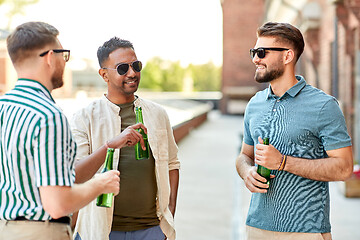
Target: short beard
x: 269, y: 76
x: 57, y: 78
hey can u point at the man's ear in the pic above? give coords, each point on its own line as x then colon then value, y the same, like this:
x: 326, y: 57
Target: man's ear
x: 104, y: 74
x: 290, y: 56
x: 48, y: 58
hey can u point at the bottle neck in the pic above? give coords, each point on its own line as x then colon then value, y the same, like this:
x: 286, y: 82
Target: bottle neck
x: 139, y: 117
x: 109, y: 160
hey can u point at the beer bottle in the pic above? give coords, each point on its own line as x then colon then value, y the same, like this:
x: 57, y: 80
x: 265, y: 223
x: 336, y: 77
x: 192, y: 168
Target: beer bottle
x: 140, y: 153
x: 263, y: 171
x: 105, y: 200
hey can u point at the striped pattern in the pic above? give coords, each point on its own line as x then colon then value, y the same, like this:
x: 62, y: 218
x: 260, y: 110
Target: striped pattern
x: 304, y: 123
x: 37, y: 149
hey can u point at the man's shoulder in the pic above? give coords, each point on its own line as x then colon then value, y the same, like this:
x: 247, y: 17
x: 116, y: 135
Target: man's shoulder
x: 259, y: 96
x: 315, y: 94
x: 150, y: 104
x: 95, y: 107
x: 32, y: 101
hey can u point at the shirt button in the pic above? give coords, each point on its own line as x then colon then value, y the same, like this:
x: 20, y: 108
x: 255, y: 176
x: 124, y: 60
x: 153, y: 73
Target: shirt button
x: 278, y: 101
x: 274, y: 110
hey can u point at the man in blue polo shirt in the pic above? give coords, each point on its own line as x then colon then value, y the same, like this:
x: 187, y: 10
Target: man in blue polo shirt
x: 309, y: 144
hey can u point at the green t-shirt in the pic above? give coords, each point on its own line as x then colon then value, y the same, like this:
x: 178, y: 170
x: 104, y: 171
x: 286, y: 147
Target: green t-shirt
x: 135, y: 205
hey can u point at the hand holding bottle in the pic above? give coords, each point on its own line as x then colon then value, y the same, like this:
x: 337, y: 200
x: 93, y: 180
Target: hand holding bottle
x: 129, y: 137
x: 267, y: 155
x: 141, y: 151
x: 109, y: 181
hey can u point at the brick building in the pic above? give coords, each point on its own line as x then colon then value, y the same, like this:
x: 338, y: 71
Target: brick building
x: 331, y: 59
x: 8, y: 76
x: 240, y: 21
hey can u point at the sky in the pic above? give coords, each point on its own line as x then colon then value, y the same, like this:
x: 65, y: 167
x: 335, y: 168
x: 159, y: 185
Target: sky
x: 189, y: 31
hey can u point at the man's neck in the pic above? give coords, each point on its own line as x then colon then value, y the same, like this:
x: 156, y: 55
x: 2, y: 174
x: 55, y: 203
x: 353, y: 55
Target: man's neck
x: 120, y: 99
x: 280, y: 85
x: 37, y: 77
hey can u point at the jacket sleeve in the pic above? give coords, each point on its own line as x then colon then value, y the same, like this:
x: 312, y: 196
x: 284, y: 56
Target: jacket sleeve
x: 80, y: 131
x: 174, y: 162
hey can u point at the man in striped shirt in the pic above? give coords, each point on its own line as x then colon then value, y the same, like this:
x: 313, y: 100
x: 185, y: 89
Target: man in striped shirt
x: 37, y: 190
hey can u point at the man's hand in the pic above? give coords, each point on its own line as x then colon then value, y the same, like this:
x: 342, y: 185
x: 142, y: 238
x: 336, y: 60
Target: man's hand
x: 129, y: 137
x: 109, y: 181
x: 267, y: 155
x: 255, y: 182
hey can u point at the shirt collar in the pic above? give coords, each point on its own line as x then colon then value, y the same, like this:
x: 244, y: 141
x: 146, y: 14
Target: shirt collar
x: 30, y: 83
x: 293, y: 91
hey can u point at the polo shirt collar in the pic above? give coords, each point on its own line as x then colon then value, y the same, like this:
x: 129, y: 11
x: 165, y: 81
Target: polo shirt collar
x: 293, y: 91
x: 30, y: 83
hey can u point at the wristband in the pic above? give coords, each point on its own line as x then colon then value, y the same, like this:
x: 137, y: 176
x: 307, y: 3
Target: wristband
x: 283, y: 162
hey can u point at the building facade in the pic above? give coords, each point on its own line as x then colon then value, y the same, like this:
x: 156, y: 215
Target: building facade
x: 240, y: 21
x: 331, y: 59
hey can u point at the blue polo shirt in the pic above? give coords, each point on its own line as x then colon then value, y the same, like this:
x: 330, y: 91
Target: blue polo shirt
x: 305, y: 122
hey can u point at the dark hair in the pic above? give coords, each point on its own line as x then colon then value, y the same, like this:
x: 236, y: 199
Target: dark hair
x: 284, y: 33
x: 110, y: 46
x: 28, y: 37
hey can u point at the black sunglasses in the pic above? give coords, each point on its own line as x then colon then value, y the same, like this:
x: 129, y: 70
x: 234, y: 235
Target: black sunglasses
x: 66, y: 53
x: 123, y: 68
x: 262, y: 50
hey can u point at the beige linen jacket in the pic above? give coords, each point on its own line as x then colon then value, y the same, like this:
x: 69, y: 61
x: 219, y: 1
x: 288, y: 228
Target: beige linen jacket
x: 99, y: 122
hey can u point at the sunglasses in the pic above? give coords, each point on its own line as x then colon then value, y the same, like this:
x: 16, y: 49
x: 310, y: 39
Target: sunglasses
x: 262, y: 51
x: 65, y: 53
x: 123, y: 68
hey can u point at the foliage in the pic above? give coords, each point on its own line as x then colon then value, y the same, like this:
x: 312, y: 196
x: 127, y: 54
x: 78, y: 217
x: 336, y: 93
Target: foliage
x: 162, y: 75
x: 206, y: 77
x: 17, y: 7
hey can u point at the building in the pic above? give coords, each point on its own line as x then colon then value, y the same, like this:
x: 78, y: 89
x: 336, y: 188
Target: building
x: 240, y: 21
x: 331, y: 59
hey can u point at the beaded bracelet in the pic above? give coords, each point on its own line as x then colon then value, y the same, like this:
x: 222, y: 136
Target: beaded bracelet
x: 283, y: 162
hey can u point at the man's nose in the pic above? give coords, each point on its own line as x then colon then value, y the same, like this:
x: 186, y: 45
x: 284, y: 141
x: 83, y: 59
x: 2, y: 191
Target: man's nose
x: 131, y: 71
x: 256, y: 59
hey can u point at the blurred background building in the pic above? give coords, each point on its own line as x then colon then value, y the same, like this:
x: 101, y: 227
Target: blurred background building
x: 330, y: 60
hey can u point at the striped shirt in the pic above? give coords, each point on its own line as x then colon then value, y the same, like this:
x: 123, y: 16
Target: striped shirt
x: 304, y: 122
x: 37, y: 149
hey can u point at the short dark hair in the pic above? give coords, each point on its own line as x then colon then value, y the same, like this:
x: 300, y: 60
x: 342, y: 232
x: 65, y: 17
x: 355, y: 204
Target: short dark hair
x: 28, y: 37
x: 284, y: 33
x: 110, y: 46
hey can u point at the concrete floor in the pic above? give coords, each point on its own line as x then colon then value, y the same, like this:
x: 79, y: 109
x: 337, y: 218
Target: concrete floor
x: 213, y: 201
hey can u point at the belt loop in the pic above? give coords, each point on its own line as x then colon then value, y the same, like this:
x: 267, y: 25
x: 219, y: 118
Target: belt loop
x: 47, y: 223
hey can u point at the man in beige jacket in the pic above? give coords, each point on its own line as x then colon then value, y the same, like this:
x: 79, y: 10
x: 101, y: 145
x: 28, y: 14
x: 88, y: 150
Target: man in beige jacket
x: 145, y: 206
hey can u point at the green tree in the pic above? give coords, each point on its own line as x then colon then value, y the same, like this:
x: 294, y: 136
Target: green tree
x: 161, y: 75
x: 173, y: 77
x: 16, y: 7
x: 206, y: 77
x: 151, y: 75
